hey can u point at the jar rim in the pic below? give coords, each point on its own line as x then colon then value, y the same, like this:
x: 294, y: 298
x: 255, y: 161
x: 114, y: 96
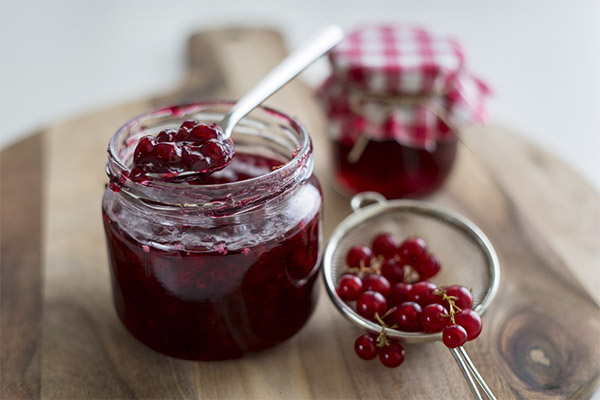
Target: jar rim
x: 282, y: 176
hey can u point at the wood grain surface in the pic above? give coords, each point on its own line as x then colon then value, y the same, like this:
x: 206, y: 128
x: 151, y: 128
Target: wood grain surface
x: 21, y: 273
x: 61, y: 337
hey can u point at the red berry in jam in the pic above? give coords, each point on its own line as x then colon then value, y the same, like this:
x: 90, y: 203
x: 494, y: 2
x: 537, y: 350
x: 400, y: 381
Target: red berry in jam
x: 392, y: 355
x: 365, y: 347
x: 167, y: 152
x: 212, y: 150
x: 203, y: 132
x: 350, y: 287
x: 385, y: 245
x: 434, y: 318
x: 192, y: 156
x: 469, y: 320
x: 408, y: 317
x: 370, y: 303
x: 182, y: 134
x: 422, y: 293
x: 378, y: 283
x: 358, y: 254
x: 464, y: 298
x: 429, y: 267
x: 166, y: 135
x: 194, y: 147
x: 412, y: 251
x: 399, y: 293
x: 189, y: 124
x: 393, y: 270
x: 454, y: 336
x: 143, y: 149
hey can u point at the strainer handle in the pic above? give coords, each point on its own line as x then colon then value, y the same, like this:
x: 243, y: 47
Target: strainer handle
x: 364, y: 199
x: 471, y: 374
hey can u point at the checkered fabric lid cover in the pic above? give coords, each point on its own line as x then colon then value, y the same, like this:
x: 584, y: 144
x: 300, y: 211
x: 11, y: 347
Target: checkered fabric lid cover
x: 388, y: 61
x: 393, y: 60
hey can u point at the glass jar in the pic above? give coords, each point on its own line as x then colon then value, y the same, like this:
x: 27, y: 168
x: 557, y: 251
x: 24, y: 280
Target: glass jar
x: 210, y: 272
x: 368, y: 158
x: 395, y: 99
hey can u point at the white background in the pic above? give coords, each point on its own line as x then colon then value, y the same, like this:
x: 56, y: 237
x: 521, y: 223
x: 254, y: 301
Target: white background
x: 542, y: 58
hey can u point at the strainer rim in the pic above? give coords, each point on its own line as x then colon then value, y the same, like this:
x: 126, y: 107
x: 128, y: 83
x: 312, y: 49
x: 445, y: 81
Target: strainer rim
x: 422, y: 207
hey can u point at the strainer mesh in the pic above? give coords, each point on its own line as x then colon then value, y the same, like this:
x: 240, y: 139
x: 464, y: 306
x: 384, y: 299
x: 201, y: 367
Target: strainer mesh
x: 462, y: 256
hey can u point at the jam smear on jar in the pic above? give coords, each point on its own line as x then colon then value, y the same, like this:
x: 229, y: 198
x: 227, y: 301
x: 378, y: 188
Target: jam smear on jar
x: 220, y: 299
x: 393, y: 169
x: 193, y: 147
x: 242, y: 167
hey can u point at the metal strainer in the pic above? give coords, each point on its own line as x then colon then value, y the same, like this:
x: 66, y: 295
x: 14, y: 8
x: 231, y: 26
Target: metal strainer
x: 466, y: 255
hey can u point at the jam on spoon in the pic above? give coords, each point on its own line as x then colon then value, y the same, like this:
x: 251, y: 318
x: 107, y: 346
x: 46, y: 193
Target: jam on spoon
x: 193, y: 151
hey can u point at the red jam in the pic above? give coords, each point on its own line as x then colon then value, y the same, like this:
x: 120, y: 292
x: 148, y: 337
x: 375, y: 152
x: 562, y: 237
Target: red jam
x: 194, y: 147
x: 393, y: 169
x: 213, y: 298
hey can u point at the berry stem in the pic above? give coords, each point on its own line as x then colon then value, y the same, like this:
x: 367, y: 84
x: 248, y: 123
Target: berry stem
x: 382, y: 338
x: 362, y: 270
x: 452, y: 307
x: 410, y: 274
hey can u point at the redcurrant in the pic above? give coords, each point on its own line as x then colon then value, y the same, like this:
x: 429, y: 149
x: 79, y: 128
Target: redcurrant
x: 469, y: 320
x: 365, y: 347
x: 464, y: 298
x: 429, y: 267
x: 377, y: 283
x: 385, y: 245
x: 399, y: 293
x: 350, y: 287
x: 357, y: 254
x: 393, y: 270
x: 454, y: 336
x: 370, y: 303
x: 408, y: 317
x: 392, y: 355
x: 434, y: 318
x: 412, y: 251
x: 422, y: 293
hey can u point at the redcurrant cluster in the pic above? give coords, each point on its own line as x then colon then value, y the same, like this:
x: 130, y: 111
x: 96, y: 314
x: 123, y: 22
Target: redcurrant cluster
x: 389, y: 283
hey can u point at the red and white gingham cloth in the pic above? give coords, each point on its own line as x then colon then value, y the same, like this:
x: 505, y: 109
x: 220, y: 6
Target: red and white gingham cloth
x: 385, y: 62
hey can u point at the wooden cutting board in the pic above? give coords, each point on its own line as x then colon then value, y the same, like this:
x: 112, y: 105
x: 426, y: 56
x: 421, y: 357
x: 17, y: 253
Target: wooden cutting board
x: 61, y: 337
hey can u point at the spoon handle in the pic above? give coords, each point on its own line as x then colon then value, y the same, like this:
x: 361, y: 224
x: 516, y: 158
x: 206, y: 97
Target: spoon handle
x: 291, y: 66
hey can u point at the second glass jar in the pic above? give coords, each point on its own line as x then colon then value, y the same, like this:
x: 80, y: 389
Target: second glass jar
x: 365, y: 162
x: 396, y: 98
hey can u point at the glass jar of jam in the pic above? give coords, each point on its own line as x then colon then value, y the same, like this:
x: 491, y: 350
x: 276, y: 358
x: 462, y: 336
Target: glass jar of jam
x: 214, y: 269
x: 396, y: 99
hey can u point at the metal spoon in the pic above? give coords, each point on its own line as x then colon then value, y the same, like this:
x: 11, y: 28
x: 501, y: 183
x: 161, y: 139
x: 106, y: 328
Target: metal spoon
x: 284, y: 72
